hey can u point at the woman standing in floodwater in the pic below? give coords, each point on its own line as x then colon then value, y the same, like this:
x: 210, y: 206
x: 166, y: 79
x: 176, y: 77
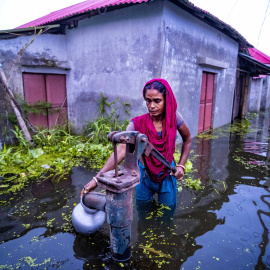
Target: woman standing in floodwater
x: 160, y: 125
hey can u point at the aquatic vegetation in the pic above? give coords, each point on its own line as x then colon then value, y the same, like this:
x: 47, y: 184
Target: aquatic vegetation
x: 188, y: 166
x: 238, y: 127
x: 31, y: 262
x: 160, y: 253
x: 218, y: 186
x: 154, y: 247
x: 249, y: 163
x: 193, y: 183
x: 207, y: 135
x: 27, y: 261
x: 188, y: 181
x: 159, y: 212
x: 54, y: 154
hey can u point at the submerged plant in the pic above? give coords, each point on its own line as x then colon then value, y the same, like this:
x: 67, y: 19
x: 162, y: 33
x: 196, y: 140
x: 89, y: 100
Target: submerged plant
x: 207, y: 135
x: 193, y: 183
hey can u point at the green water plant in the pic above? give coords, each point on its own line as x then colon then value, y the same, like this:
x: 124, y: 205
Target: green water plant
x: 19, y: 134
x: 53, y: 155
x: 207, y: 135
x: 55, y: 151
x: 238, y: 127
x: 218, y: 186
x: 108, y: 120
x: 188, y: 180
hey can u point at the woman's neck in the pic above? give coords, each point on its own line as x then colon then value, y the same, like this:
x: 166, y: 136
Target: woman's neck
x: 158, y: 123
x: 158, y: 118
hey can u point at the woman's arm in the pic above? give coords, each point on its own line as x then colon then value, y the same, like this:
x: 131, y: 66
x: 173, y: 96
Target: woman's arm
x: 185, y: 134
x: 121, y: 151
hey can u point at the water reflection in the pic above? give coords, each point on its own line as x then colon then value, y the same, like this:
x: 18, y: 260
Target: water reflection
x: 223, y: 226
x: 241, y: 242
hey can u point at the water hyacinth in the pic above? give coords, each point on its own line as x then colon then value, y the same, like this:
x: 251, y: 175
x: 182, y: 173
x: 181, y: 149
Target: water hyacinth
x: 54, y: 152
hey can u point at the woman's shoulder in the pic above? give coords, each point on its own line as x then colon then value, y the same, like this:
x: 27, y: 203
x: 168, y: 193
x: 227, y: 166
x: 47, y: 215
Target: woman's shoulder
x: 130, y: 126
x: 179, y: 119
x: 138, y: 122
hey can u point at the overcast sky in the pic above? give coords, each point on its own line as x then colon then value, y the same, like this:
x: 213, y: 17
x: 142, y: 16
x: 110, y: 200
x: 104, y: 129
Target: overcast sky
x: 246, y: 16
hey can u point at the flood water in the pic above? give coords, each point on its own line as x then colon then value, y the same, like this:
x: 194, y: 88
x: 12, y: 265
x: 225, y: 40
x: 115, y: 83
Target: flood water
x: 225, y: 225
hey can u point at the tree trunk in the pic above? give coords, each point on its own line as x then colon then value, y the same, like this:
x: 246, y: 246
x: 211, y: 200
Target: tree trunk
x: 16, y: 110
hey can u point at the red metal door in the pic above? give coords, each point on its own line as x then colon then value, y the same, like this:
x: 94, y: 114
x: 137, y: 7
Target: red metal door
x: 46, y: 88
x: 34, y: 91
x: 206, y: 101
x: 56, y: 94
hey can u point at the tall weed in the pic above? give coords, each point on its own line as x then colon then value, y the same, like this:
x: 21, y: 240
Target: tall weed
x: 107, y: 121
x: 20, y: 137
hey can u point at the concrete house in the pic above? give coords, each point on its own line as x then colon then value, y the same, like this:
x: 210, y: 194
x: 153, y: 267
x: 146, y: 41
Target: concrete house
x: 115, y: 47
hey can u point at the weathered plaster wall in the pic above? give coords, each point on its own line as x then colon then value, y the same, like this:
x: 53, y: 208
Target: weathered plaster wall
x: 255, y: 93
x: 187, y: 40
x: 46, y: 53
x: 115, y: 53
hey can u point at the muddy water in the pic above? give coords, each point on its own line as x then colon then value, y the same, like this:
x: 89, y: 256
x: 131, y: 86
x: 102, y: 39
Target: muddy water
x: 225, y: 225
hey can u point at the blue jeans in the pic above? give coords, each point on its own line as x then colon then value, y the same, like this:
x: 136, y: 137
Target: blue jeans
x: 147, y: 188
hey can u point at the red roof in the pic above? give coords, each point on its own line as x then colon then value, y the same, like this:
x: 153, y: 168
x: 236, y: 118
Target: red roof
x: 76, y: 9
x: 260, y: 56
x: 95, y: 5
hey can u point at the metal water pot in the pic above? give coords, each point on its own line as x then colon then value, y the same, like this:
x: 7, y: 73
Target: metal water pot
x: 87, y: 220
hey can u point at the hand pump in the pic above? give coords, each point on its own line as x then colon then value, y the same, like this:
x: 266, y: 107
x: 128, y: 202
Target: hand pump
x: 117, y: 202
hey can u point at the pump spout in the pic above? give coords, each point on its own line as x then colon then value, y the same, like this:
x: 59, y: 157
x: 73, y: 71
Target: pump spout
x: 95, y: 200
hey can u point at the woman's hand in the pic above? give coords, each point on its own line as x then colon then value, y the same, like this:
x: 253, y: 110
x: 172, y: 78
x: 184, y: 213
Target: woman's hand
x: 88, y: 187
x: 179, y: 174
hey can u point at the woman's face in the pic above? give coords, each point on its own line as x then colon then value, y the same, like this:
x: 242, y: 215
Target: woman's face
x: 155, y: 102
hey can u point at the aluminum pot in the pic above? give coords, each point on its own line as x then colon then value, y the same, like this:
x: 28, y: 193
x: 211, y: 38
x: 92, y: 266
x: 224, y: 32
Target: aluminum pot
x: 87, y: 220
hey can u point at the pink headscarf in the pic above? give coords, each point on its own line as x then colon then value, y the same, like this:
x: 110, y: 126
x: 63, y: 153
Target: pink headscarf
x: 164, y: 144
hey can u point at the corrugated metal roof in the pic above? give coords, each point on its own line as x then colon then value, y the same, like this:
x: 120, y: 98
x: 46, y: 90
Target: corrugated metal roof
x: 82, y: 9
x: 76, y: 9
x: 252, y: 65
x: 260, y: 56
